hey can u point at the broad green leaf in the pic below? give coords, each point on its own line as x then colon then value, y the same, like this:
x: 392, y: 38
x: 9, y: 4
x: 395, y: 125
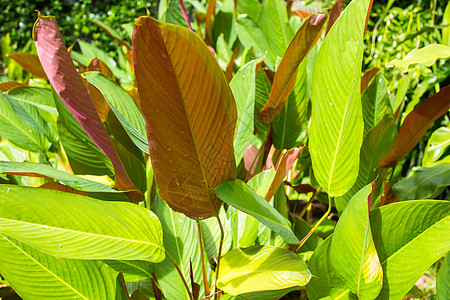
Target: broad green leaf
x: 181, y: 242
x: 446, y: 30
x: 56, y: 61
x: 132, y: 270
x: 83, y: 154
x: 250, y: 34
x: 249, y: 7
x: 41, y: 170
x: 437, y: 144
x: 355, y: 258
x: 443, y: 280
x: 239, y: 195
x: 243, y: 87
x: 336, y: 130
x: 426, y: 56
x: 112, y: 33
x: 244, y: 227
x: 39, y: 97
x: 211, y: 235
x: 409, y: 236
x: 191, y: 132
x: 77, y: 227
x: 30, y: 62
x: 416, y: 125
x: 425, y: 182
x: 290, y: 122
x: 324, y: 281
x: 123, y: 106
x: 261, y: 268
x: 36, y: 275
x: 377, y: 143
x: 402, y: 89
x: 174, y: 14
x: 273, y: 20
x: 18, y: 131
x: 375, y: 102
x: 301, y: 229
x: 224, y: 22
x: 286, y: 75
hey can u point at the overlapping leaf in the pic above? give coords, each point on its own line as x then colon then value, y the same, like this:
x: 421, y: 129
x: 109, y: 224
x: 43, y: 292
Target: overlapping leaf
x: 409, y: 236
x: 68, y: 85
x: 285, y: 77
x: 78, y: 227
x: 416, y: 125
x: 36, y: 275
x: 426, y: 56
x: 336, y: 130
x: 191, y: 132
x: 261, y: 268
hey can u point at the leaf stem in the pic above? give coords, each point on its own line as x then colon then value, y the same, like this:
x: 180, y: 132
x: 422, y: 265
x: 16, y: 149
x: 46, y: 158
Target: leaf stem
x: 219, y: 254
x: 181, y: 275
x: 205, y: 277
x: 310, y: 200
x: 303, y: 241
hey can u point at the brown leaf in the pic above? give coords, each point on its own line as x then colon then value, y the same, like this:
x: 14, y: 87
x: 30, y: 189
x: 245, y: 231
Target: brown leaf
x: 335, y: 12
x: 190, y: 115
x: 30, y: 62
x: 56, y: 186
x: 7, y: 85
x: 416, y: 125
x: 285, y: 77
x: 367, y: 78
x: 389, y: 195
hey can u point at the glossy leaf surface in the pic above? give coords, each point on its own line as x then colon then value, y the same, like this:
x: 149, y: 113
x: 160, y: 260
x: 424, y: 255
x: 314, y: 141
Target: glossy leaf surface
x: 41, y: 170
x: 68, y: 85
x: 261, y: 268
x: 336, y: 130
x: 409, y: 236
x: 123, y: 105
x: 239, y: 195
x: 416, y: 125
x: 78, y: 227
x: 355, y: 259
x: 191, y: 132
x: 285, y: 77
x: 425, y: 182
x: 426, y: 56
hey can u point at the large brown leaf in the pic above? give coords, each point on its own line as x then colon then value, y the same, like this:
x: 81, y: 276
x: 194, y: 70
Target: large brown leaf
x: 284, y: 81
x: 416, y: 125
x: 67, y: 83
x: 30, y: 62
x: 190, y: 115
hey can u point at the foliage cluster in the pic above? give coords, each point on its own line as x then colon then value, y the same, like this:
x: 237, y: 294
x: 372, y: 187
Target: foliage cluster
x: 240, y: 152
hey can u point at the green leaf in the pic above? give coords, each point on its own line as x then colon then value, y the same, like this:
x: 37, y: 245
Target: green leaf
x: 77, y: 227
x: 18, y: 131
x: 437, y: 144
x: 324, y: 281
x: 123, y: 106
x: 424, y: 183
x: 409, y: 236
x: 132, y: 270
x: 336, y: 131
x: 37, y: 96
x: 35, y: 275
x: 239, y: 195
x: 446, y: 30
x: 290, y: 122
x: 33, y: 169
x: 375, y: 102
x: 224, y: 22
x: 355, y: 258
x: 261, y: 268
x: 443, y: 280
x: 249, y: 7
x: 243, y: 87
x: 426, y: 56
x: 301, y: 229
x: 211, y: 235
x: 83, y: 154
x: 181, y: 242
x: 377, y: 143
x: 264, y: 295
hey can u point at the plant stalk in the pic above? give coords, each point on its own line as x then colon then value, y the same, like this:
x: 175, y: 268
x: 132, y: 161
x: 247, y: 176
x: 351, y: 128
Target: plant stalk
x: 205, y: 277
x: 181, y: 275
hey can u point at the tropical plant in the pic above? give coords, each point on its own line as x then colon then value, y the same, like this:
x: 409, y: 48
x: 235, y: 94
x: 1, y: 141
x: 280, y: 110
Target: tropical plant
x: 215, y: 158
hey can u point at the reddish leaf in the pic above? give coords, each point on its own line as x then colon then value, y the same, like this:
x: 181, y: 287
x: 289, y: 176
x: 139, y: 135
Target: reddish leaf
x: 389, y: 195
x: 30, y: 62
x: 284, y: 164
x: 301, y: 14
x: 230, y: 67
x: 52, y: 185
x: 7, y: 85
x: 416, y: 125
x: 335, y: 12
x: 190, y: 115
x: 210, y: 15
x: 68, y: 85
x: 284, y: 81
x: 367, y: 78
